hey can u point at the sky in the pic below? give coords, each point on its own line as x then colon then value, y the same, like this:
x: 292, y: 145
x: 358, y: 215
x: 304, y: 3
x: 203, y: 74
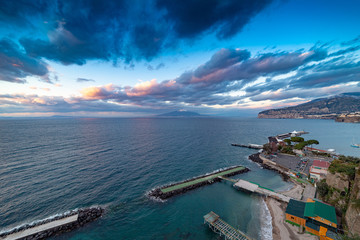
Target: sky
x: 140, y: 58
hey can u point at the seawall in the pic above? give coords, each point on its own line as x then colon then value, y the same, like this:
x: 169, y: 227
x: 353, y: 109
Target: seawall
x: 46, y: 228
x: 170, y: 190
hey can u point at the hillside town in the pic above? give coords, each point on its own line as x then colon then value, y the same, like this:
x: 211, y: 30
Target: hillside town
x: 325, y: 201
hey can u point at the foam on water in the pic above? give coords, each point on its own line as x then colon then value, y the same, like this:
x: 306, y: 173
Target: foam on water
x: 266, y: 222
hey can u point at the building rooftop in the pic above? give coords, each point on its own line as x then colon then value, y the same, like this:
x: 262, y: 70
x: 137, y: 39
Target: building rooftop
x: 321, y: 164
x: 320, y: 209
x: 296, y: 208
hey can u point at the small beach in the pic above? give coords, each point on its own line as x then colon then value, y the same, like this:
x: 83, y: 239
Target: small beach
x: 281, y: 229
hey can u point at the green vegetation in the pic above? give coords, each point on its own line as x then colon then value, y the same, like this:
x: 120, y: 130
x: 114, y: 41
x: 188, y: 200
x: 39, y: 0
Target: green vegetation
x: 300, y: 142
x: 300, y: 145
x: 297, y: 139
x: 292, y: 223
x: 344, y: 237
x: 345, y: 167
x: 322, y: 188
x: 287, y: 150
x: 267, y: 148
x: 312, y: 141
x: 321, y: 154
x: 288, y: 142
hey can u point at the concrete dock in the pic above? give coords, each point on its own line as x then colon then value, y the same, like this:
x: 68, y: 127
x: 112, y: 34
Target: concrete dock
x: 255, y: 188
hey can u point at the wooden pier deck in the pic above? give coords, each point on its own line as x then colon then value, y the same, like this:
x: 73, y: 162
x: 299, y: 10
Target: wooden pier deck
x: 256, y: 188
x: 224, y: 229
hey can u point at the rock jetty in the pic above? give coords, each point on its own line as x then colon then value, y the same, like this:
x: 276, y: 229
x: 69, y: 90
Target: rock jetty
x: 84, y: 216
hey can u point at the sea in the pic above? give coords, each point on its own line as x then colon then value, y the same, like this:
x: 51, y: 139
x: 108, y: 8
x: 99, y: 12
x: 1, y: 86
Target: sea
x: 50, y: 166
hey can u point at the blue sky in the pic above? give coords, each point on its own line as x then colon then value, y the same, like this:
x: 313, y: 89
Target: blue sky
x: 142, y: 58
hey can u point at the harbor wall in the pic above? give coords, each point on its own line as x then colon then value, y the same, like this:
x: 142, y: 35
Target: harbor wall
x: 157, y: 193
x: 84, y: 216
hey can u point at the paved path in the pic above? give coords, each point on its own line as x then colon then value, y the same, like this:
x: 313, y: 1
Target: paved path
x: 309, y: 192
x: 41, y: 228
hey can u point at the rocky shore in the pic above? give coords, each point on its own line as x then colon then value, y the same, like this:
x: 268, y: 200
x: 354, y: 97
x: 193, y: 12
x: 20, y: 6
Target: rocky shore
x: 256, y: 158
x: 85, y: 216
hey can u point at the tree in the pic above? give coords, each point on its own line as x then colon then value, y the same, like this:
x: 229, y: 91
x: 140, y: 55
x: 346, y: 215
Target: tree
x: 288, y: 141
x: 300, y: 145
x: 267, y: 148
x: 322, y: 188
x: 297, y: 139
x: 312, y: 141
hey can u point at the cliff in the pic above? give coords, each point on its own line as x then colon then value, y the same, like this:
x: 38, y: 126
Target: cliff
x: 352, y: 216
x: 350, y: 118
x: 342, y: 190
x: 323, y: 108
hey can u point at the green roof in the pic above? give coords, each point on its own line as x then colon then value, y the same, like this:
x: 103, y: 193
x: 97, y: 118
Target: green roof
x: 314, y: 209
x: 296, y: 208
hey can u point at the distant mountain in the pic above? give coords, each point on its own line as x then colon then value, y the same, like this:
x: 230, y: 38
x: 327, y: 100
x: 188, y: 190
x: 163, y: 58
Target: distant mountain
x: 322, y: 108
x: 181, y: 113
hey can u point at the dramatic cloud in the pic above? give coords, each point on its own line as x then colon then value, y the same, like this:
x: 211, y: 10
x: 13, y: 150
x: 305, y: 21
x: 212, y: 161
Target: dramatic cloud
x: 286, y: 75
x: 15, y: 65
x: 193, y: 17
x: 231, y: 78
x: 120, y: 29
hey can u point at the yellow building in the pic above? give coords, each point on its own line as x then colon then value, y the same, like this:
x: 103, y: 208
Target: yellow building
x: 316, y: 217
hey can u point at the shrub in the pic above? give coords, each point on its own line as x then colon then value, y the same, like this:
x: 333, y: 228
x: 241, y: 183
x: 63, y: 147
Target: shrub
x: 322, y: 188
x: 347, y: 168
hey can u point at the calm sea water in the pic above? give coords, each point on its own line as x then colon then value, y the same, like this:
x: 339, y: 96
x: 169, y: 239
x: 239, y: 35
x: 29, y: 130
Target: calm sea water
x: 49, y: 166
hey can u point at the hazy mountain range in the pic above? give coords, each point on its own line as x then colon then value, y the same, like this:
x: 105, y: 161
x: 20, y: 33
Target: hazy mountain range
x: 322, y: 108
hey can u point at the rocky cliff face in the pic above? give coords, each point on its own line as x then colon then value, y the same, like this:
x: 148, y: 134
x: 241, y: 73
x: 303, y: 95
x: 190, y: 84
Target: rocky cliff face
x: 338, y: 181
x: 349, y: 119
x: 352, y: 216
x: 324, y: 108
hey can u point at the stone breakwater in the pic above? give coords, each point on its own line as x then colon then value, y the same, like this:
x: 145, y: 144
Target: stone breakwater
x: 194, y: 183
x: 84, y: 216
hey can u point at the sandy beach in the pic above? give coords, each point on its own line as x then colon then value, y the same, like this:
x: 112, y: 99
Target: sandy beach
x: 281, y: 229
x: 295, y: 192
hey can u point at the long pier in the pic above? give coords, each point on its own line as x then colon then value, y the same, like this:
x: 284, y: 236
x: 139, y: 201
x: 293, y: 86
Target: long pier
x: 184, y: 186
x: 256, y: 188
x: 224, y: 229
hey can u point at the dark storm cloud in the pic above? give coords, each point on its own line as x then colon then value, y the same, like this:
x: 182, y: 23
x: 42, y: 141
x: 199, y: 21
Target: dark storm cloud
x: 193, y: 17
x: 72, y: 32
x: 15, y: 65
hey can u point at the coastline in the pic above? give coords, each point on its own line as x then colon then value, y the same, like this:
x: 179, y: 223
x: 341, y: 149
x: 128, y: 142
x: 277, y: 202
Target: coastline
x: 281, y: 229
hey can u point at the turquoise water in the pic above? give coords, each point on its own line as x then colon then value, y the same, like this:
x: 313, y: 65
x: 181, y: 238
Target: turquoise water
x: 49, y: 166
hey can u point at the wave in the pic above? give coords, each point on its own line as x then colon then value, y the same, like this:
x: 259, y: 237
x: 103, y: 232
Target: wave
x: 266, y: 222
